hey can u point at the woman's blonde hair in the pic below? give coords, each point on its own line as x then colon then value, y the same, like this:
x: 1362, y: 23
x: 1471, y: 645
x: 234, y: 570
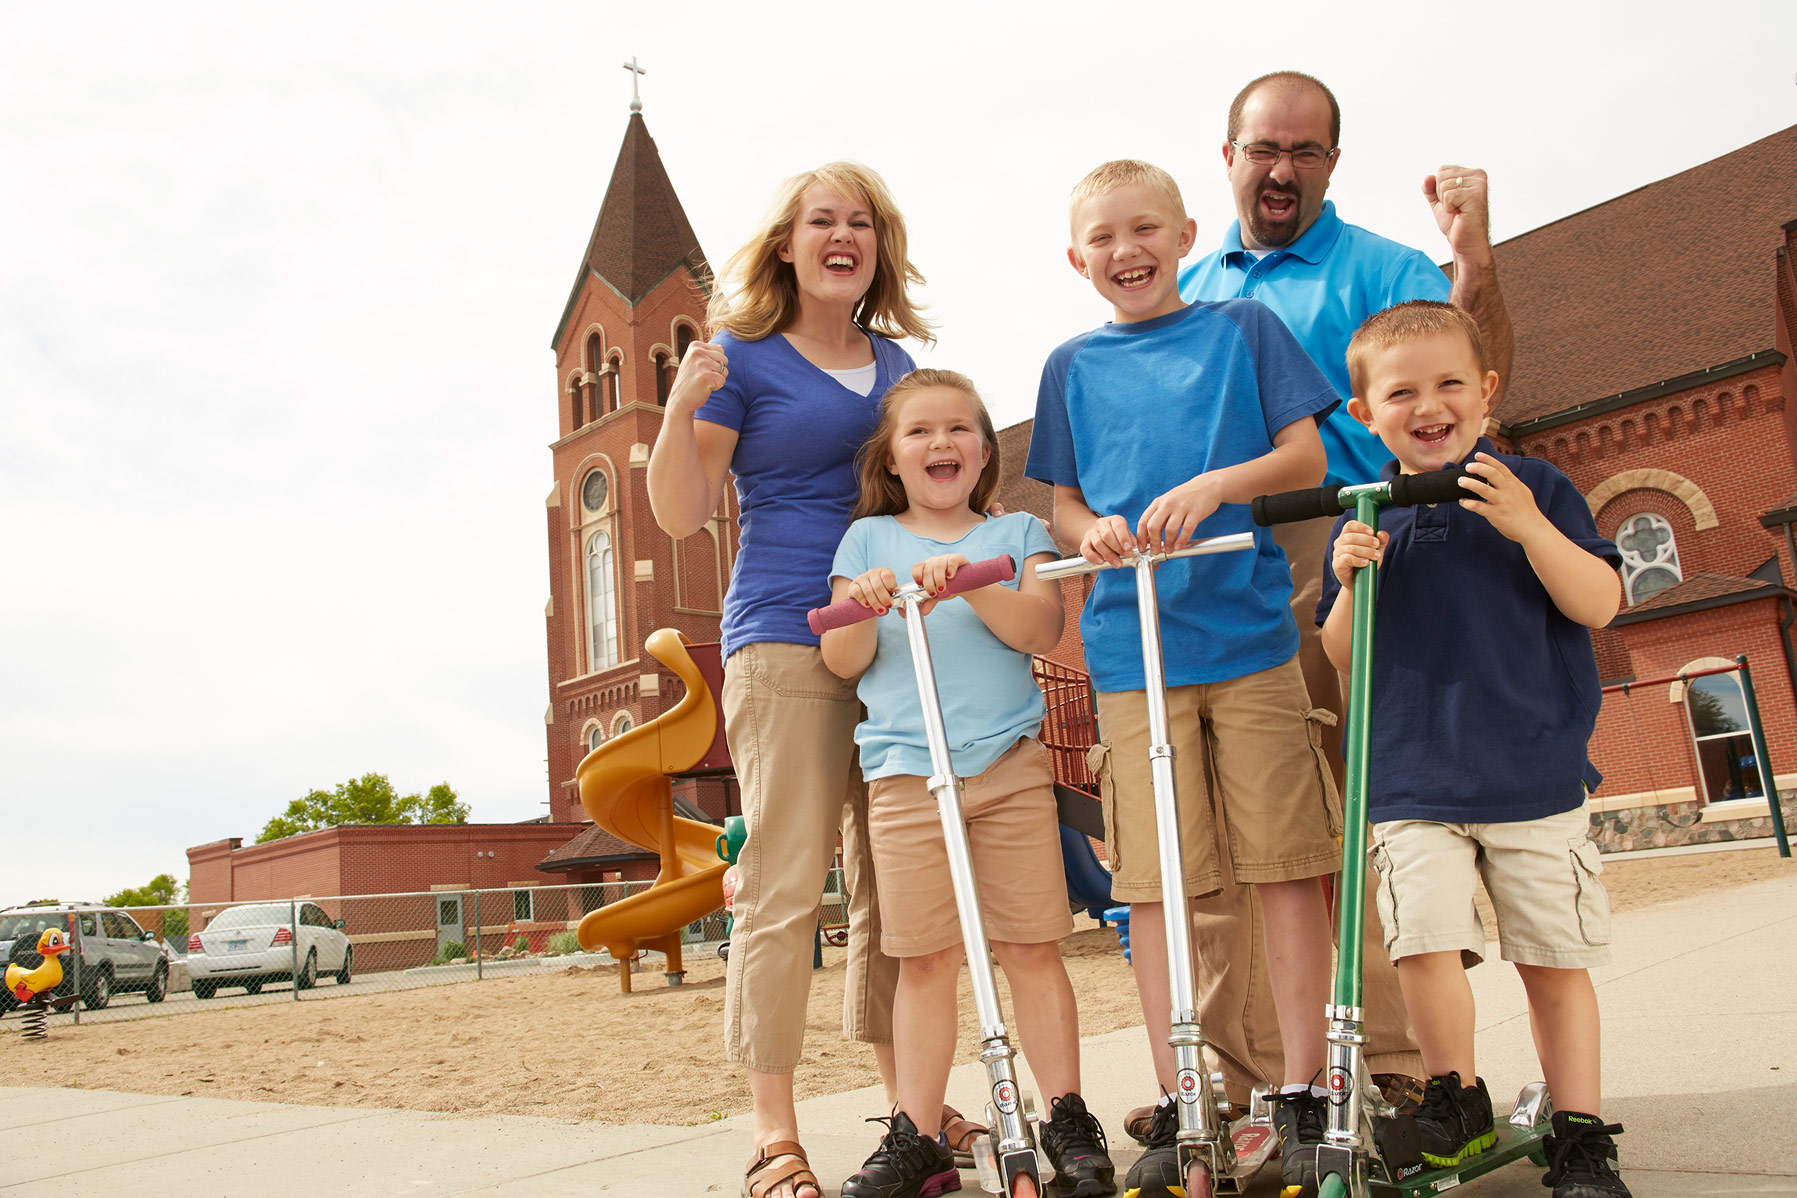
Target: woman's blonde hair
x: 882, y: 493
x: 766, y: 295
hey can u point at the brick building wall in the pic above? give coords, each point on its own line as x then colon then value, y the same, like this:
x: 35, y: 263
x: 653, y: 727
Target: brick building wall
x: 421, y: 861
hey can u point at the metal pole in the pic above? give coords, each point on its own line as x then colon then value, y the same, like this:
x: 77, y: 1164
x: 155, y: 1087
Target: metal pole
x: 477, y: 967
x: 1200, y: 1134
x: 293, y: 931
x: 1768, y: 783
x: 75, y: 929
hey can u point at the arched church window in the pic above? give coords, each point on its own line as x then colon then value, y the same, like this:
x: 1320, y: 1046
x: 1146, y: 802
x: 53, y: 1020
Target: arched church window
x: 594, y: 365
x: 663, y: 376
x: 609, y: 382
x: 595, y: 737
x: 622, y: 724
x: 602, y: 607
x: 683, y: 337
x: 1649, y: 556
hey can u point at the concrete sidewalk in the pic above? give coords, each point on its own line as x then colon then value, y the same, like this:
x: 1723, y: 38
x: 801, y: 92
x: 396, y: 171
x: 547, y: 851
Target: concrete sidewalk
x: 1700, y: 1031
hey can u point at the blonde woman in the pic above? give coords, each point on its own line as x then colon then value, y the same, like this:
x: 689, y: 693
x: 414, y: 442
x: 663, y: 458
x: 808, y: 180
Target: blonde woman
x: 804, y: 346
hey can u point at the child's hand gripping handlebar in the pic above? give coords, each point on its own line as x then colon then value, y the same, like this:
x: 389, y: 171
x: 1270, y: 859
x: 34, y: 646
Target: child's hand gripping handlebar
x: 1405, y: 490
x: 970, y: 577
x: 1069, y: 566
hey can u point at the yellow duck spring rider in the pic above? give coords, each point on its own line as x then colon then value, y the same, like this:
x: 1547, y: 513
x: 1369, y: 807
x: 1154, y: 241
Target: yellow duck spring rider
x: 31, y: 984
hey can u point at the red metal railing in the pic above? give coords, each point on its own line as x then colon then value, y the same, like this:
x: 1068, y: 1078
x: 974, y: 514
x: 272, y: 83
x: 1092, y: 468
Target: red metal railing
x: 1069, y: 729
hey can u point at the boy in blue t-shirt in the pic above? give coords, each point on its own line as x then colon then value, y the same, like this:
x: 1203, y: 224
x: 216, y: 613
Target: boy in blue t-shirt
x: 1154, y: 430
x: 1486, y: 696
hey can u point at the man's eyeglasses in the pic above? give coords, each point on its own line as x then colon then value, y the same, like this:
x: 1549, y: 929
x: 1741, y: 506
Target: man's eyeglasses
x: 1306, y: 158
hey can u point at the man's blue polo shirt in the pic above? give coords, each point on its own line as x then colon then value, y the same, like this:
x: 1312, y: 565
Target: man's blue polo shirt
x: 1126, y: 413
x: 1484, y: 694
x: 1323, y: 286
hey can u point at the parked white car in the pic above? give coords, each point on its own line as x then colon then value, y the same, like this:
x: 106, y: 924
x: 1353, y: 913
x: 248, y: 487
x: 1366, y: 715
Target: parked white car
x: 256, y: 943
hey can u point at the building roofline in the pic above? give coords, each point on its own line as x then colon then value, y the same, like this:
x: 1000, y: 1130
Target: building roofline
x: 1767, y: 591
x: 1622, y: 399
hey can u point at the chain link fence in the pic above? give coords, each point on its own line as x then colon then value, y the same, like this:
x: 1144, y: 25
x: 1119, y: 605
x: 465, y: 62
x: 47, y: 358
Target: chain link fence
x: 136, y: 962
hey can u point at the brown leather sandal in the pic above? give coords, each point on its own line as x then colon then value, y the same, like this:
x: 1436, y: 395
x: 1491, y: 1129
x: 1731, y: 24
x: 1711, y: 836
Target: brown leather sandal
x: 960, y: 1132
x: 782, y: 1162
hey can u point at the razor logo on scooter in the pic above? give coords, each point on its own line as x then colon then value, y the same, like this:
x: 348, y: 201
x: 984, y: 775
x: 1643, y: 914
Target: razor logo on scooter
x: 1187, y: 1084
x: 1338, y: 1085
x: 1004, y: 1096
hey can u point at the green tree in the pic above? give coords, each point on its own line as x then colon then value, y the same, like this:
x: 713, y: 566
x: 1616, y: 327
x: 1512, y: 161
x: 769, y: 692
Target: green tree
x: 369, y: 799
x: 161, y: 891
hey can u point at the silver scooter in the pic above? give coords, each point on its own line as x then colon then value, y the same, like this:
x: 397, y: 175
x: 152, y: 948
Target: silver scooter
x: 1211, y: 1161
x: 1007, y: 1158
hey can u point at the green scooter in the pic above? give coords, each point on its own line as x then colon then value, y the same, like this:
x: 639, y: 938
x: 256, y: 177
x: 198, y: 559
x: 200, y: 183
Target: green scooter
x: 1368, y: 1147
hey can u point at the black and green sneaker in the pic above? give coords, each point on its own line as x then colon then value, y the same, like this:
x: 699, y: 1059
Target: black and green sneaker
x: 1454, y: 1121
x: 1581, y: 1157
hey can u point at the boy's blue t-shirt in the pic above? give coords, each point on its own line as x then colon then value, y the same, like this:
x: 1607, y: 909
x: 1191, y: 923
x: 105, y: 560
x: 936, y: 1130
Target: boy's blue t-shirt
x: 1126, y: 413
x: 1485, y: 694
x: 798, y: 431
x: 989, y: 699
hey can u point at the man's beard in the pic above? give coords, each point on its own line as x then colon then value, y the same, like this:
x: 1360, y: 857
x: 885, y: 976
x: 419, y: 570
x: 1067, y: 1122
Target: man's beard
x: 1274, y: 237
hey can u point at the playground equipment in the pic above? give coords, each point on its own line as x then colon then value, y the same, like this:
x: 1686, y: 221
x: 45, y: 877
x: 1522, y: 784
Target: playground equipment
x: 31, y: 982
x: 625, y: 788
x: 1007, y: 1158
x: 1368, y: 1148
x: 1210, y: 1159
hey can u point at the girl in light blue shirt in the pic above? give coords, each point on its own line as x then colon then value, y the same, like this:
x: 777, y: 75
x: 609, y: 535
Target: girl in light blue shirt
x: 927, y: 474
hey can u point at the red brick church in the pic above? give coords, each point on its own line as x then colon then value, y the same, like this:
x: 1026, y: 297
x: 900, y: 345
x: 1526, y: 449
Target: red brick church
x: 638, y: 300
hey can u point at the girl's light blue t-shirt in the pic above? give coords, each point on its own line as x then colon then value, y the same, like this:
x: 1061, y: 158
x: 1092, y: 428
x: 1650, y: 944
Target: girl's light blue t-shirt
x: 989, y: 698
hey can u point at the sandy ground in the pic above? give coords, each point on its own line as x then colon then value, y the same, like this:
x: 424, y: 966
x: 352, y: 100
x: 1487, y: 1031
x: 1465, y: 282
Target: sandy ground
x: 569, y: 1045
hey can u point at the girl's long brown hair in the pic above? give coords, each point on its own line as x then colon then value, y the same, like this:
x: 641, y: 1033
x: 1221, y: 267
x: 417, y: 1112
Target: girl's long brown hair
x: 882, y: 494
x: 766, y: 292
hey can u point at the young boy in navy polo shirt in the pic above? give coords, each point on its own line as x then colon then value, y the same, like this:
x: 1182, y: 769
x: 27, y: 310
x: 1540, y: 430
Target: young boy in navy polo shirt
x: 1156, y: 429
x: 1487, y: 695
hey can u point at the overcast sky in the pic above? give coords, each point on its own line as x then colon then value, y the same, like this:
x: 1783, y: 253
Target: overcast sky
x: 277, y: 287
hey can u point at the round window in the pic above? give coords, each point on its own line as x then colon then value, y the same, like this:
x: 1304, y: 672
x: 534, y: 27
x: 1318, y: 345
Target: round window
x: 594, y: 490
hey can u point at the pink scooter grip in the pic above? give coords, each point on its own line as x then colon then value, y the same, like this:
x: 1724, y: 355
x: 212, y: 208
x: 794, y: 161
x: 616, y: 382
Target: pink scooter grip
x: 970, y: 577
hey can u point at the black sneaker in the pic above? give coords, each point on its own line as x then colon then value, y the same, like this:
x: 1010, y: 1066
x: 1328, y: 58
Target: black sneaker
x: 905, y: 1165
x: 1298, y: 1121
x: 1580, y: 1156
x: 1454, y: 1120
x: 1076, y: 1148
x: 1156, y: 1172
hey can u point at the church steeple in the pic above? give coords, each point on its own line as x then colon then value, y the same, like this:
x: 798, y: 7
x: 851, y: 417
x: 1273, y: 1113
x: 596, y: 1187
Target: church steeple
x: 642, y: 235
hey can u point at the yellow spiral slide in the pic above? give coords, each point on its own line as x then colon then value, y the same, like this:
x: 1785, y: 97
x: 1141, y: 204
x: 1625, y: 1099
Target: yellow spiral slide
x: 624, y: 786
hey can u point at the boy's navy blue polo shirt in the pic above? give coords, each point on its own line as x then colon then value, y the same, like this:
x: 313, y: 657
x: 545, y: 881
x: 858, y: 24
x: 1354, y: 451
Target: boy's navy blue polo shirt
x: 1484, y: 695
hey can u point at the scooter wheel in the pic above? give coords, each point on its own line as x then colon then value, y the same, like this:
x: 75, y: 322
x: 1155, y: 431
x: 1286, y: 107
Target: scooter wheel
x: 1024, y: 1186
x: 1538, y: 1158
x: 1198, y: 1180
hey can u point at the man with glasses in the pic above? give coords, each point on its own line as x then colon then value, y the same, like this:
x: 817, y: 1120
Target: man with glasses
x: 1323, y: 277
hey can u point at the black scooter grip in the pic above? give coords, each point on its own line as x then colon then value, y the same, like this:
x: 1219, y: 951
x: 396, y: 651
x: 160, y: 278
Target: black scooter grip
x: 1289, y: 507
x: 1437, y: 486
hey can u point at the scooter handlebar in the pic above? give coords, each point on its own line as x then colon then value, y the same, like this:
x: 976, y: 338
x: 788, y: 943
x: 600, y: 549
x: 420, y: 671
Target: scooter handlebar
x: 1437, y: 486
x: 970, y: 577
x: 1069, y: 566
x: 1405, y: 490
x: 1289, y: 507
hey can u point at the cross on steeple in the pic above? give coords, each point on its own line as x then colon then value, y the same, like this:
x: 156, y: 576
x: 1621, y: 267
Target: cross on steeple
x: 636, y: 100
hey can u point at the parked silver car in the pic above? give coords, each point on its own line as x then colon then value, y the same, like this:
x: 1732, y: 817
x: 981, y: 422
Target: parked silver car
x: 116, y: 954
x: 267, y: 942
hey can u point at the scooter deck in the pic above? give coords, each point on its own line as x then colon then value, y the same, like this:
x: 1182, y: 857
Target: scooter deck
x: 1513, y: 1143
